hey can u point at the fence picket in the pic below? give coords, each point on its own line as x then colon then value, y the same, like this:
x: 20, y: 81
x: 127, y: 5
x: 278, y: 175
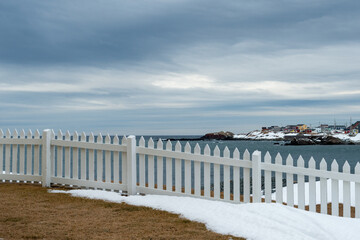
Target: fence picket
x: 334, y: 190
x: 226, y: 176
x: 15, y: 155
x: 357, y: 193
x: 178, y: 169
x: 216, y: 174
x: 99, y: 160
x: 67, y: 156
x: 142, y: 163
x: 7, y: 153
x: 246, y: 180
x: 312, y: 187
x: 123, y: 162
x: 28, y: 155
x: 83, y: 159
x: 37, y: 155
x: 278, y: 180
x: 21, y: 161
x: 108, y: 161
x: 301, y: 185
x: 323, y: 188
x: 1, y: 152
x: 59, y: 156
x: 290, y: 183
x: 267, y: 179
x: 116, y: 161
x: 160, y: 167
x: 151, y: 165
x: 346, y: 193
x: 207, y: 173
x: 168, y: 163
x: 236, y: 177
x: 75, y: 155
x: 187, y: 170
x: 197, y: 172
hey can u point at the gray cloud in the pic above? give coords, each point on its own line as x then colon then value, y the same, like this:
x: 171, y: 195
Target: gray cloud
x: 191, y: 66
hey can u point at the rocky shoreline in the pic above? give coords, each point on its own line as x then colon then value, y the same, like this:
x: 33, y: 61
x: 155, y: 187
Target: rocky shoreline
x: 297, y: 139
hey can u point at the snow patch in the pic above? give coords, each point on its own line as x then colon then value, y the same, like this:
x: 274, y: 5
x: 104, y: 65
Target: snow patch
x: 256, y: 221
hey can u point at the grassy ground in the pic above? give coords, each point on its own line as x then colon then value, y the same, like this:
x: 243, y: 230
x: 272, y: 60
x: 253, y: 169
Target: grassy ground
x: 30, y: 212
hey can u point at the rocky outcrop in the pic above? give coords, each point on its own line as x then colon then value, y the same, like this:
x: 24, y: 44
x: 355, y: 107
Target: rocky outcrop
x: 218, y: 136
x: 323, y: 140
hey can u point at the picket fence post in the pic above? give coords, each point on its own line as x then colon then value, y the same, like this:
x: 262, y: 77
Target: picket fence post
x: 256, y: 176
x: 46, y: 158
x: 131, y: 165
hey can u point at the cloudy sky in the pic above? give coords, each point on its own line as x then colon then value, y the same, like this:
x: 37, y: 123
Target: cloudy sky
x: 178, y: 66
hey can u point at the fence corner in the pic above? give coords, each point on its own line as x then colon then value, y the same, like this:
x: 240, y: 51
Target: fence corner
x: 256, y: 176
x: 46, y: 158
x: 131, y: 165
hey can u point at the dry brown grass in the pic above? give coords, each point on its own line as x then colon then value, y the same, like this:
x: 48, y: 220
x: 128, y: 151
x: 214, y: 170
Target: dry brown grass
x: 30, y: 212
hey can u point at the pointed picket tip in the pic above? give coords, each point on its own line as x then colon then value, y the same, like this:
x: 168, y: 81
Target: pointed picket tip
x: 178, y: 146
x: 207, y: 149
x: 75, y: 136
x: 67, y: 135
x: 29, y: 133
x: 168, y: 145
x: 312, y: 163
x: 99, y: 138
x: 300, y: 162
x: 22, y: 133
x: 267, y: 157
x: 236, y: 154
x: 83, y: 137
x: 142, y: 142
x: 151, y: 143
x: 37, y: 134
x: 246, y: 155
x: 15, y: 134
x: 53, y: 133
x: 160, y: 144
x: 60, y: 134
x: 197, y: 149
x: 346, y: 167
x: 357, y: 168
x: 123, y: 140
x: 216, y: 151
x: 1, y: 133
x: 107, y: 139
x: 334, y: 166
x: 116, y: 139
x: 226, y: 152
x: 323, y: 164
x: 278, y: 158
x: 91, y: 137
x: 187, y: 147
x: 8, y: 133
x: 289, y: 160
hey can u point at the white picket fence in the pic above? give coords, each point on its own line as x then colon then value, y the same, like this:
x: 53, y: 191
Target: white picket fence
x: 111, y: 164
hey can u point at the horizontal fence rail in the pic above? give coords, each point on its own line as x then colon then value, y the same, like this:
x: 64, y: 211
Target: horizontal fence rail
x: 113, y: 163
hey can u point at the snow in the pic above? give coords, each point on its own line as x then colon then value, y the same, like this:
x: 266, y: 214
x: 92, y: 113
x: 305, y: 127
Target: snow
x: 258, y: 135
x: 318, y: 193
x: 256, y: 221
x: 346, y: 137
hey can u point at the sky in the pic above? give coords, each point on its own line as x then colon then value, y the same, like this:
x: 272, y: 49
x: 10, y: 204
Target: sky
x: 178, y: 66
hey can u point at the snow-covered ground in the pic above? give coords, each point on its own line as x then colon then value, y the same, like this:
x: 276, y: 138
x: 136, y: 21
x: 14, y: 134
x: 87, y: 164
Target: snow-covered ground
x: 318, y: 199
x: 258, y: 135
x: 346, y: 137
x: 256, y: 221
